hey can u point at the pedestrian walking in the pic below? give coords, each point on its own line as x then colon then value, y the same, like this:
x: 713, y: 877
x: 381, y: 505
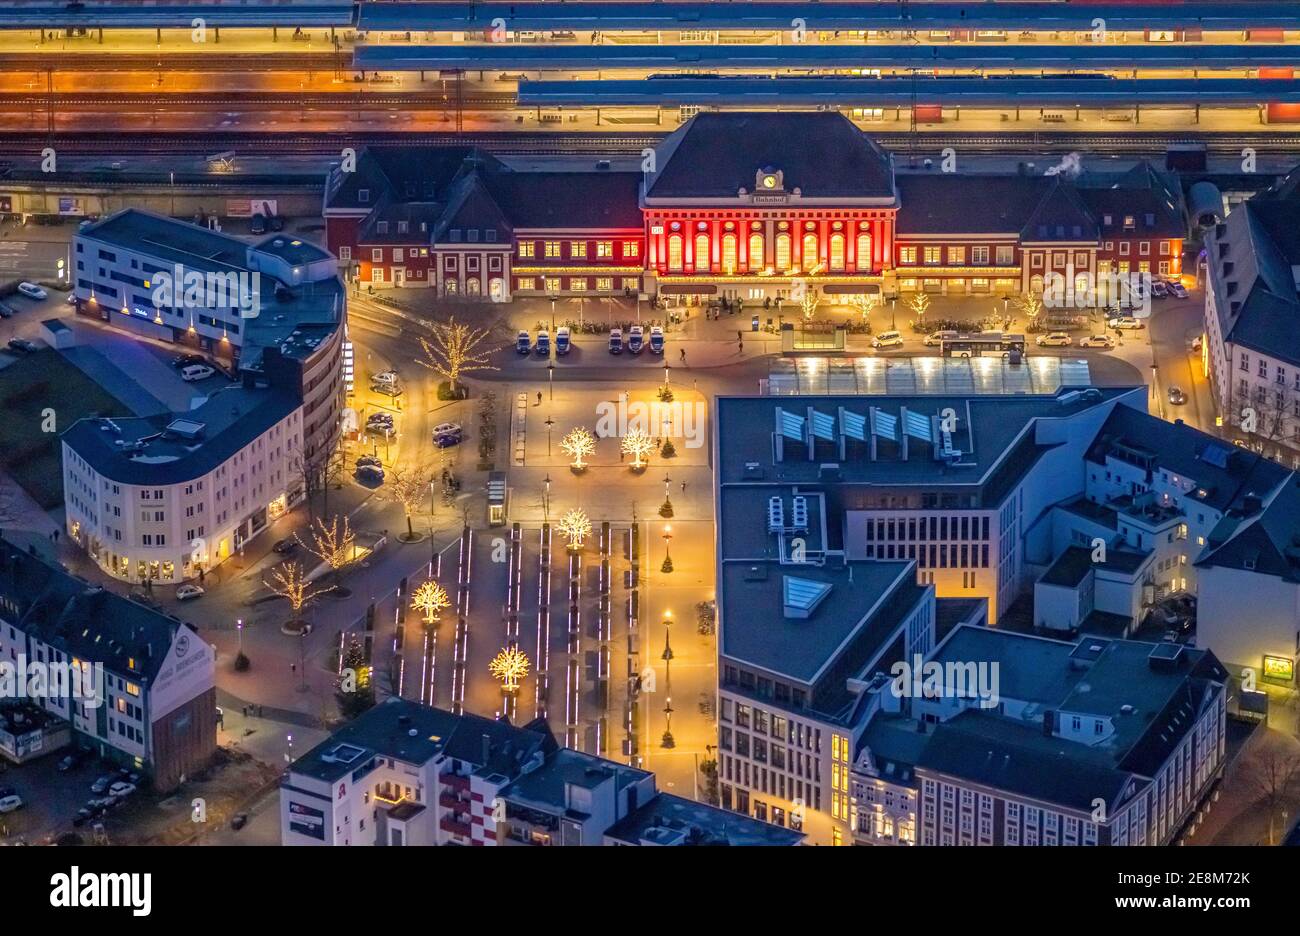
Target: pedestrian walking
x: 539, y: 398
x: 683, y: 356
x: 683, y: 487
x: 740, y: 336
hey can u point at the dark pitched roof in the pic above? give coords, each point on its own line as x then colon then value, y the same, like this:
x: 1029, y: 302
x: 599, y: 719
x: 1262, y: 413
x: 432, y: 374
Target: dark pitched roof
x: 715, y: 154
x: 942, y: 203
x: 470, y: 207
x: 83, y: 620
x: 1060, y: 215
x: 1226, y: 473
x: 1268, y: 543
x: 568, y: 200
x: 1144, y: 193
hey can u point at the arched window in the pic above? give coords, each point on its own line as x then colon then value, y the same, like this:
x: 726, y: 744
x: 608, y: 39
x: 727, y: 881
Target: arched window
x: 837, y: 252
x: 675, y: 252
x: 702, y: 263
x: 864, y: 251
x: 728, y: 253
x: 756, y: 251
x: 810, y: 258
x: 472, y: 286
x: 782, y: 252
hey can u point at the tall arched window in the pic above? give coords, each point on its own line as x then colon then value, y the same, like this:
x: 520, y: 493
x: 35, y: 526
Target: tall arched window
x: 675, y: 252
x: 702, y: 253
x: 864, y: 252
x: 810, y: 258
x: 837, y: 252
x: 756, y: 252
x: 728, y: 253
x: 782, y: 252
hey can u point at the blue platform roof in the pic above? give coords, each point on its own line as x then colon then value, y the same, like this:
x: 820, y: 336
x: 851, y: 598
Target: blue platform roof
x: 227, y: 13
x: 398, y: 17
x: 949, y: 92
x: 569, y: 56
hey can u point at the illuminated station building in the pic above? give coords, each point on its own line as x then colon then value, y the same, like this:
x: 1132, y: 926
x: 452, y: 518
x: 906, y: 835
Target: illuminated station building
x: 743, y: 206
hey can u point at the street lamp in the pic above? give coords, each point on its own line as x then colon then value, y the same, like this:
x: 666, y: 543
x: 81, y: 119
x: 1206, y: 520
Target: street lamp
x: 550, y: 376
x: 667, y: 657
x: 549, y: 424
x: 546, y: 499
x: 666, y: 369
x: 666, y: 510
x: 668, y: 559
x: 239, y: 626
x: 552, y: 298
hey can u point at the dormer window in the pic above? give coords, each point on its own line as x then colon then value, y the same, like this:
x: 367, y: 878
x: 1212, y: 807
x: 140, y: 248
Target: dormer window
x: 454, y: 234
x: 401, y: 227
x: 381, y: 227
x: 1129, y: 222
x: 363, y: 195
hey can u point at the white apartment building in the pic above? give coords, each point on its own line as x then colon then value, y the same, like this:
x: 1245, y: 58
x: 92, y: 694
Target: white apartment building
x: 158, y: 711
x: 1252, y: 300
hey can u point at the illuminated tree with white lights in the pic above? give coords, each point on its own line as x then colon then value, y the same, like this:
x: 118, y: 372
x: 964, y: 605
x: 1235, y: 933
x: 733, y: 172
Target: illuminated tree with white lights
x: 639, y: 445
x: 456, y: 349
x: 510, y: 666
x: 431, y: 599
x: 578, y: 444
x: 576, y: 527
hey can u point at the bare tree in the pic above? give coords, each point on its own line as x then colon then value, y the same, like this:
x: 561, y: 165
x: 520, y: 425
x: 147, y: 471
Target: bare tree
x: 919, y: 304
x: 639, y: 445
x: 864, y: 304
x: 409, y: 486
x: 808, y: 304
x: 1273, y: 773
x: 1030, y: 305
x: 578, y: 444
x: 454, y: 350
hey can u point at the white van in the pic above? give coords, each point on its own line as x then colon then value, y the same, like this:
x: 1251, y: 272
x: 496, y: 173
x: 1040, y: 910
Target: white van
x: 196, y: 372
x: 889, y: 339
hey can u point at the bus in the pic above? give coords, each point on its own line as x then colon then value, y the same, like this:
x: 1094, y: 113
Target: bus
x: 985, y: 344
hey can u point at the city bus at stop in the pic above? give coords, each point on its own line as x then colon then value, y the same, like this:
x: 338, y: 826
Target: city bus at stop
x: 985, y: 344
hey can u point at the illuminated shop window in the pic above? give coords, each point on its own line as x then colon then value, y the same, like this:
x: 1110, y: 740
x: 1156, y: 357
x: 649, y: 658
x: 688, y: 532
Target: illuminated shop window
x: 783, y: 252
x: 810, y: 258
x: 675, y: 252
x: 864, y: 251
x: 756, y: 251
x: 729, y: 253
x: 837, y: 252
x: 702, y: 252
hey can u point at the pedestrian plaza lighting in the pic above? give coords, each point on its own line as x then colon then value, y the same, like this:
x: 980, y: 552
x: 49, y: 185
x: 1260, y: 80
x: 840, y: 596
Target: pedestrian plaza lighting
x: 510, y: 666
x: 639, y: 445
x: 578, y: 444
x: 575, y: 526
x: 668, y: 559
x: 431, y: 599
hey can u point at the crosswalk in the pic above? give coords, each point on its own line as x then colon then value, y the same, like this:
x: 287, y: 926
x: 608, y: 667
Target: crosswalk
x: 11, y: 252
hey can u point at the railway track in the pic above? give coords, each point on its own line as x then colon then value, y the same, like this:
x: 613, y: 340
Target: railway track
x: 532, y: 141
x: 172, y: 62
x: 226, y: 100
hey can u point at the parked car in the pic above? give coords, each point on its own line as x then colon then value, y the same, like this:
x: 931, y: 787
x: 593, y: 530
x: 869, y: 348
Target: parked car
x: 1097, y: 341
x: 562, y: 341
x: 1176, y: 396
x: 935, y: 339
x: 656, y: 340
x: 22, y: 345
x: 370, y: 473
x: 523, y: 343
x: 1177, y: 290
x: 188, y: 591
x: 238, y: 821
x: 6, y: 311
x: 888, y: 339
x: 196, y: 372
x: 635, y: 339
x: 616, y: 341
x: 445, y: 435
x: 32, y: 291
x: 285, y: 546
x: 100, y: 786
x: 258, y: 225
x: 69, y: 761
x: 543, y: 346
x: 370, y: 460
x: 186, y: 360
x: 121, y: 789
x: 1196, y: 343
x: 380, y: 422
x: 1159, y: 289
x: 388, y: 377
x: 384, y: 389
x: 1054, y: 340
x: 9, y: 803
x: 1126, y: 322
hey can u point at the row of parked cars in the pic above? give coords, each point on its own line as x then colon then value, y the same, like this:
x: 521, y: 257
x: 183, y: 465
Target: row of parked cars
x: 33, y: 292
x: 634, y: 343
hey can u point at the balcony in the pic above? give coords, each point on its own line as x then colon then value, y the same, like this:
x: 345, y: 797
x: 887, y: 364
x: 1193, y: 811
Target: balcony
x: 448, y: 824
x: 453, y: 802
x: 455, y: 781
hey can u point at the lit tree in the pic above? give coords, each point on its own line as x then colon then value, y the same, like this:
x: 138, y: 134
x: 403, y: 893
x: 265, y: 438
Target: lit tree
x: 432, y: 599
x: 354, y: 688
x: 1030, y: 305
x: 333, y: 544
x: 578, y: 444
x: 455, y: 349
x: 639, y: 445
x: 920, y: 304
x: 864, y: 304
x: 409, y: 486
x: 510, y: 666
x: 808, y: 303
x: 575, y: 526
x: 290, y: 583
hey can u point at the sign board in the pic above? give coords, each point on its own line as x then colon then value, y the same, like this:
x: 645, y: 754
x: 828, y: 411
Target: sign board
x: 306, y: 820
x: 247, y: 207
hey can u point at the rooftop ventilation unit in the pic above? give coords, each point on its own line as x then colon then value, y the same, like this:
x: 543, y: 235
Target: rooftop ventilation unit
x: 186, y: 428
x: 775, y: 515
x: 800, y: 514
